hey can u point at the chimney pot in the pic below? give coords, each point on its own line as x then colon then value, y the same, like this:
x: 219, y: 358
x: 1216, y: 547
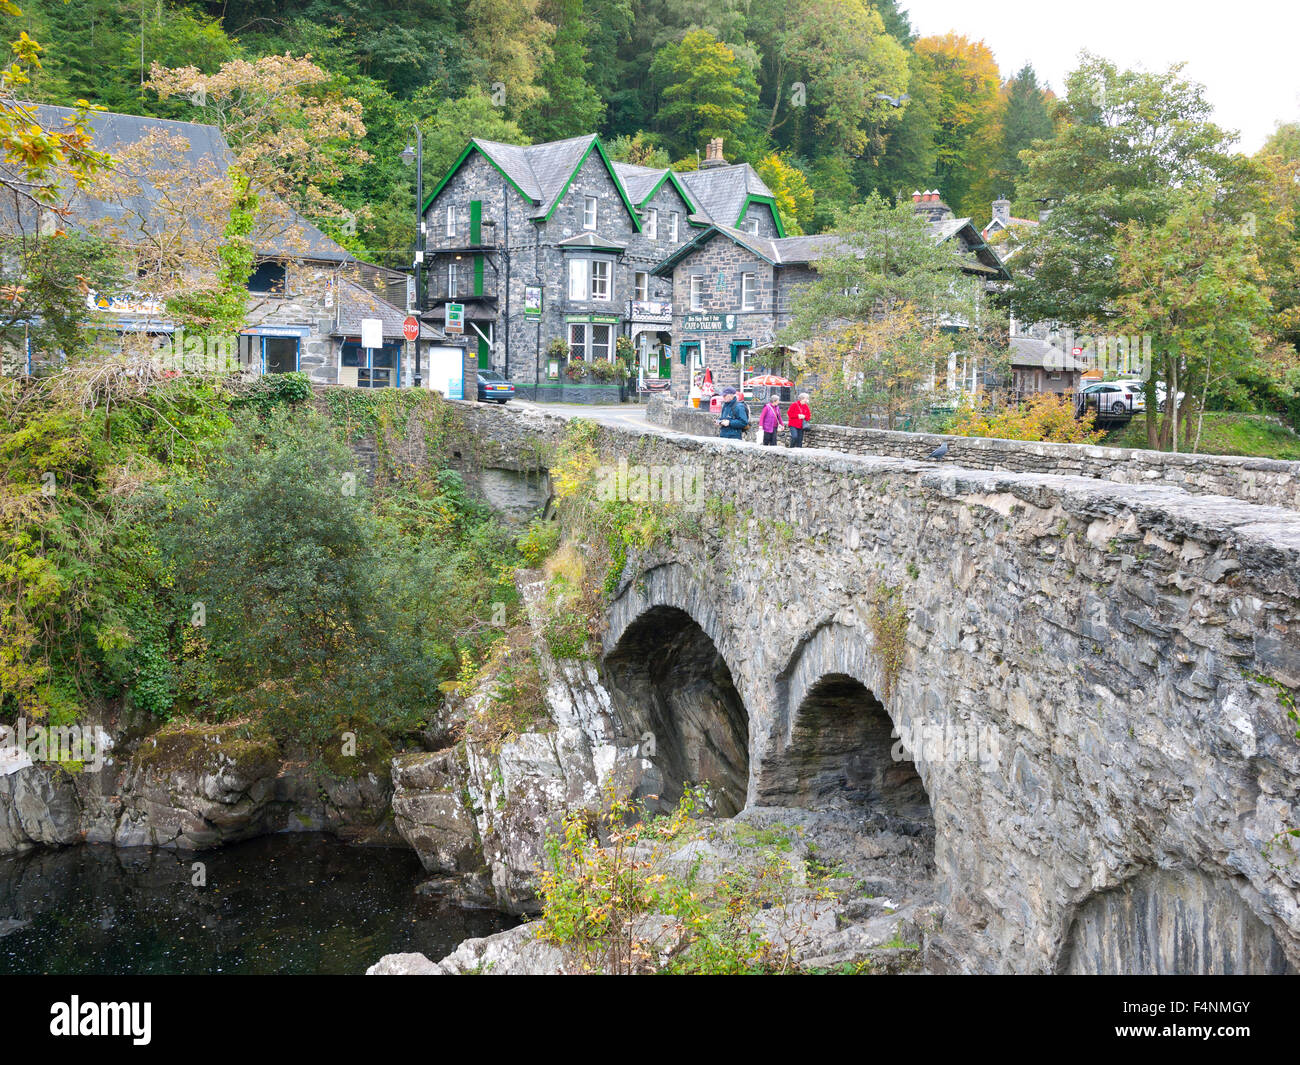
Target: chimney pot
x: 916, y: 196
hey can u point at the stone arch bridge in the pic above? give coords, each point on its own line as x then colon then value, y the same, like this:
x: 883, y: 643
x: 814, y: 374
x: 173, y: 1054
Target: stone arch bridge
x: 1081, y: 687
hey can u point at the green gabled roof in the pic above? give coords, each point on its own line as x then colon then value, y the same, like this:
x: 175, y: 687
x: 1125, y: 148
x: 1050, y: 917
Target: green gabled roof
x: 770, y: 202
x: 745, y: 240
x: 473, y: 146
x: 540, y: 173
x: 609, y: 169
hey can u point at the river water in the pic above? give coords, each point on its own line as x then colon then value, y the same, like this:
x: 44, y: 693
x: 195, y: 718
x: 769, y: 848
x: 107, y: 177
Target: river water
x: 296, y: 904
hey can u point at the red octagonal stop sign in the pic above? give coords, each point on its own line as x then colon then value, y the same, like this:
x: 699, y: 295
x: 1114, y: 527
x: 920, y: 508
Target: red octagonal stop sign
x: 410, y: 327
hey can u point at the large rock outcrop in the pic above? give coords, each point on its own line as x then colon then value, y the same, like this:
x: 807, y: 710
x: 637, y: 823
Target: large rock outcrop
x: 189, y: 787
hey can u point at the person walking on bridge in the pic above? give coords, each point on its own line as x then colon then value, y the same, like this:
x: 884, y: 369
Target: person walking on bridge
x: 799, y: 415
x: 733, y: 419
x: 770, y: 420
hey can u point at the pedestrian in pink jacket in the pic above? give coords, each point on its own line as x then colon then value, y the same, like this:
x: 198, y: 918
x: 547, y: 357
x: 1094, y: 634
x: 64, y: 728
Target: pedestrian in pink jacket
x: 770, y: 420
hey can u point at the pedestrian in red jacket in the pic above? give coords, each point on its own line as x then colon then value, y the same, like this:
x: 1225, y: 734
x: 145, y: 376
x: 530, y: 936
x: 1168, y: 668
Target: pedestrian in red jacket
x: 798, y: 415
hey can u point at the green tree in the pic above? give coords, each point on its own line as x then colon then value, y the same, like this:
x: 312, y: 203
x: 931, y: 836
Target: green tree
x: 277, y: 544
x: 706, y: 92
x: 1127, y: 143
x: 823, y: 64
x: 571, y: 105
x: 907, y: 161
x: 875, y: 325
x: 1025, y: 120
x: 449, y: 125
x: 888, y: 259
x: 1193, y: 283
x: 964, y: 83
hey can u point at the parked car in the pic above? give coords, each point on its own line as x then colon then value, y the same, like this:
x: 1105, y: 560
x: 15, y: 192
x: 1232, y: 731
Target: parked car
x: 1114, y: 397
x: 1140, y: 386
x: 492, y: 386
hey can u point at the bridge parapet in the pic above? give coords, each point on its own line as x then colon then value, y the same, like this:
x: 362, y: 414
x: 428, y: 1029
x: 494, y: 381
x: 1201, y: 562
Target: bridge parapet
x: 1270, y: 482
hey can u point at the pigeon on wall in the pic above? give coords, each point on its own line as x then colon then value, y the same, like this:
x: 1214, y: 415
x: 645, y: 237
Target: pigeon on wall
x: 939, y: 452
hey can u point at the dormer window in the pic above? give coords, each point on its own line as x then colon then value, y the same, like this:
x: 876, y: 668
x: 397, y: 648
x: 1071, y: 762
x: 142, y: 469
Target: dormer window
x: 451, y: 220
x: 672, y: 227
x: 589, y: 212
x: 652, y: 223
x: 752, y: 225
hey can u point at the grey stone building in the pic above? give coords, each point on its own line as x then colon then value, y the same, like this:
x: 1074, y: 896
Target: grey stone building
x: 557, y: 242
x: 306, y: 295
x: 733, y: 292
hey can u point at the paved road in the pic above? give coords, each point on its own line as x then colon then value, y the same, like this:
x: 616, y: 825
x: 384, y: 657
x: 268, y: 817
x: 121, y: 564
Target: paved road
x: 615, y: 414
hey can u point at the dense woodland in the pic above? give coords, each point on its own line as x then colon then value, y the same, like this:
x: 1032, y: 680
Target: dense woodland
x: 794, y: 88
x: 1157, y: 225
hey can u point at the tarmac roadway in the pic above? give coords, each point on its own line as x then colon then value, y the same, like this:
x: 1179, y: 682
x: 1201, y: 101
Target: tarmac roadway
x: 614, y: 414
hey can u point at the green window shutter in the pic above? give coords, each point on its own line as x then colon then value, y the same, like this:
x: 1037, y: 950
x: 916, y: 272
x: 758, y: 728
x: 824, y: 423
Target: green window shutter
x: 478, y: 274
x: 737, y: 346
x: 475, y: 221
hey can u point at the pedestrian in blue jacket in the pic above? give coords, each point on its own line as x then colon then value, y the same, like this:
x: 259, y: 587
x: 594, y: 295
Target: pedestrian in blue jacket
x: 733, y: 419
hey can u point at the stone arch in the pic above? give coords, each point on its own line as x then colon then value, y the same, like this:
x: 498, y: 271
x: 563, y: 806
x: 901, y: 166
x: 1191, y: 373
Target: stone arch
x: 1171, y: 921
x: 835, y: 744
x: 673, y: 691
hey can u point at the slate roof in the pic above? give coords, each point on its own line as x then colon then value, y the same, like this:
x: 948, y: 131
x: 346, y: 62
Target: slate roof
x: 794, y: 251
x: 540, y: 170
x: 639, y: 181
x: 1032, y: 353
x: 206, y: 147
x: 356, y: 302
x: 719, y: 192
x: 588, y: 239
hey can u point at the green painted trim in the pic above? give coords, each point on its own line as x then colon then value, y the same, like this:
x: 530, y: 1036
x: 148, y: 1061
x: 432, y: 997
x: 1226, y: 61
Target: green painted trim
x: 670, y: 176
x: 472, y: 147
x: 737, y: 345
x: 475, y: 221
x: 478, y: 275
x: 664, y: 268
x: 609, y: 168
x: 770, y: 203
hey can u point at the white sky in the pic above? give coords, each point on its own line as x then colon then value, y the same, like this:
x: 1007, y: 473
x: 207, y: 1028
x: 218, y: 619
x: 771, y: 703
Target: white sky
x: 1245, y: 52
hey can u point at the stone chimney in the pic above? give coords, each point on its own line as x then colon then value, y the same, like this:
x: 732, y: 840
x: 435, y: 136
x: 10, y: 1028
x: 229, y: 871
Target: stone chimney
x: 713, y: 154
x: 930, y: 206
x: 1002, y: 211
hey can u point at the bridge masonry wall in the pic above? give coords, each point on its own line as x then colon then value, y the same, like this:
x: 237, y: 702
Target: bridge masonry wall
x: 1271, y: 482
x: 1126, y: 648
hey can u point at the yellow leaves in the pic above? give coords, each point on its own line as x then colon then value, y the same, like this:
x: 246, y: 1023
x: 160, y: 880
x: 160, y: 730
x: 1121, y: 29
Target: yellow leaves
x: 1044, y: 417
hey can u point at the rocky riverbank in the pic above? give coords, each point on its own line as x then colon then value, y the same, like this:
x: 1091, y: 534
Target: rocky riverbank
x: 189, y: 787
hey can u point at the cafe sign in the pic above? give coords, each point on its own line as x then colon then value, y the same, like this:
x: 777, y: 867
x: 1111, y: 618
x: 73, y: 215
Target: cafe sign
x: 708, y: 323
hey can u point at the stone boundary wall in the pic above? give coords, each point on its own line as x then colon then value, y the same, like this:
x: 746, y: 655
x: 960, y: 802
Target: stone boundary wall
x: 1270, y: 482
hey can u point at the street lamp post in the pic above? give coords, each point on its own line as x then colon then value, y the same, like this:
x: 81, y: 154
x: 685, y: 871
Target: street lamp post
x: 416, y: 155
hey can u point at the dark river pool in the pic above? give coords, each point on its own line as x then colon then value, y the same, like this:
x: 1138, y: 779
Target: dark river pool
x: 297, y: 904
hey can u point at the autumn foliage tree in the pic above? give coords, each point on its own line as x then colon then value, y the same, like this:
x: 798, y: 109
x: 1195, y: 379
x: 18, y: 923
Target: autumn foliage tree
x: 290, y: 134
x: 1046, y: 416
